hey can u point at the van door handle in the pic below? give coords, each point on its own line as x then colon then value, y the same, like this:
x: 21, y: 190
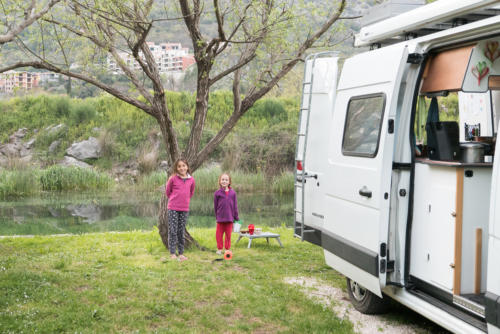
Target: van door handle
x: 311, y: 175
x: 365, y: 192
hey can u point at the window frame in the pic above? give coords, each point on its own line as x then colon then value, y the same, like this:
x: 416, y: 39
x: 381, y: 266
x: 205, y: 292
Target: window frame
x: 363, y: 97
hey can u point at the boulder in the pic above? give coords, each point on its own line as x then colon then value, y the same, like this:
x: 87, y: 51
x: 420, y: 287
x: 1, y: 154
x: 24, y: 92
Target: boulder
x: 26, y: 158
x: 72, y: 162
x: 164, y: 165
x: 90, y: 212
x: 3, y: 160
x: 29, y: 144
x: 56, y: 128
x: 87, y: 149
x: 54, y: 145
x: 21, y: 133
x: 15, y: 147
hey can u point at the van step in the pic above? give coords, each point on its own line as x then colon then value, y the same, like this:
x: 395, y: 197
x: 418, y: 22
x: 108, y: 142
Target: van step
x: 459, y: 314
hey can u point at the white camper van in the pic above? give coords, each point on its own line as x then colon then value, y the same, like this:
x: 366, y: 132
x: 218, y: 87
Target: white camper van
x: 398, y: 177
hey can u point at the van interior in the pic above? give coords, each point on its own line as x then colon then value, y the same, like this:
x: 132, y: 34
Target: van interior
x: 457, y: 111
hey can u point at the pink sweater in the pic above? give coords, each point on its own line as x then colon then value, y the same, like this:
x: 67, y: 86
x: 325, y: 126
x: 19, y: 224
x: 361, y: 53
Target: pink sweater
x: 179, y: 192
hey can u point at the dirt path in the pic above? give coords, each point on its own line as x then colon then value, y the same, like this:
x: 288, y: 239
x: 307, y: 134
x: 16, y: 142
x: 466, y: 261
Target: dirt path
x: 340, y: 304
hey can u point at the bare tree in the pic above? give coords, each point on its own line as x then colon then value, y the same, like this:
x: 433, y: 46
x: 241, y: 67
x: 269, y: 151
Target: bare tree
x: 14, y: 25
x: 256, y: 43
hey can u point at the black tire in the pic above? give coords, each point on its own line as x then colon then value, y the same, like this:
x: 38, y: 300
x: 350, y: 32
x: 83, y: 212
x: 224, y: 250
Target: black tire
x: 365, y: 301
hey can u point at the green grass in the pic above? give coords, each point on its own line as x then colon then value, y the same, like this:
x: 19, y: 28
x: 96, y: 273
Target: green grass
x: 61, y: 178
x: 21, y: 183
x: 118, y: 283
x: 283, y: 184
x: 18, y: 183
x: 207, y: 181
x: 124, y: 282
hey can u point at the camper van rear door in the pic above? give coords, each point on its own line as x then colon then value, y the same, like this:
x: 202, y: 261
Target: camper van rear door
x: 492, y: 296
x: 360, y: 155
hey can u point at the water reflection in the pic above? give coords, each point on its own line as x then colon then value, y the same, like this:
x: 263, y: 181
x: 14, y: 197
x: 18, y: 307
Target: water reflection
x: 80, y: 213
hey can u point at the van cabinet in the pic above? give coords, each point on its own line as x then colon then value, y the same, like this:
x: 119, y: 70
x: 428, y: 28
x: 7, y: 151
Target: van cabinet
x: 451, y: 201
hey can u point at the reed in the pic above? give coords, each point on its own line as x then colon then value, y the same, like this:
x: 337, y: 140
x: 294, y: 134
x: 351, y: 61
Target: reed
x: 152, y: 181
x: 59, y: 178
x: 18, y: 183
x: 283, y: 183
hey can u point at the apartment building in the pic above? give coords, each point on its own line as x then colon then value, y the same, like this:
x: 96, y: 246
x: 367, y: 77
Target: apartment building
x: 170, y: 58
x: 11, y: 80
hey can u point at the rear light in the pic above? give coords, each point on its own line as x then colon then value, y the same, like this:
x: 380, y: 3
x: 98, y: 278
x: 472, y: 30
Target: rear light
x: 299, y: 165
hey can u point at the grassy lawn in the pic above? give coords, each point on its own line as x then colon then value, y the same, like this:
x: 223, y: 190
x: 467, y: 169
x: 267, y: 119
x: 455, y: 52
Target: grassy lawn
x: 118, y: 282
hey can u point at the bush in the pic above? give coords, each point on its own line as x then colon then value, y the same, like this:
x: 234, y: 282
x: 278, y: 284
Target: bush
x: 82, y: 112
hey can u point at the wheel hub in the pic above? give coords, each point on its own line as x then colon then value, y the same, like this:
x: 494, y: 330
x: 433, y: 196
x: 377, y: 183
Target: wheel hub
x: 358, y: 291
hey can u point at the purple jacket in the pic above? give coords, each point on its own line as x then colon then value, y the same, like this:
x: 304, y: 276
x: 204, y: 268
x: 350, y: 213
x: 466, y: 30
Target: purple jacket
x: 179, y: 192
x: 225, y: 206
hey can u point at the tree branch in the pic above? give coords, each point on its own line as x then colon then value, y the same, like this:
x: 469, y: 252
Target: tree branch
x: 95, y: 82
x: 29, y: 18
x: 250, y: 99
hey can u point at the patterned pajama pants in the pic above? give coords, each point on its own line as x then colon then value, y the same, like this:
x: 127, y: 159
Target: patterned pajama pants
x: 176, y: 224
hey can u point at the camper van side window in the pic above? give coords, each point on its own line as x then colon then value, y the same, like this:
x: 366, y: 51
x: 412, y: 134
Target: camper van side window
x: 363, y: 124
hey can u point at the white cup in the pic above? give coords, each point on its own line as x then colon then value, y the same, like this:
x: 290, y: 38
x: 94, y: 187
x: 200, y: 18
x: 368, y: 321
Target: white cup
x: 488, y: 158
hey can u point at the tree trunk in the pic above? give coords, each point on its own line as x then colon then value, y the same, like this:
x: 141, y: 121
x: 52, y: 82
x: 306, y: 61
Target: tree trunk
x: 163, y: 228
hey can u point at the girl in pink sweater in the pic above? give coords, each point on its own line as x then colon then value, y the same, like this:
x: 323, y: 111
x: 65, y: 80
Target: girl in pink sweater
x: 179, y: 190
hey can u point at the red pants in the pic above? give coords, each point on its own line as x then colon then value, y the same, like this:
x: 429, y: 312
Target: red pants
x: 222, y: 228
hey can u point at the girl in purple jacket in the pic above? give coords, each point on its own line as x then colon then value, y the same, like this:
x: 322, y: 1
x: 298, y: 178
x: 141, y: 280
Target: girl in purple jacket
x: 226, y: 212
x: 179, y: 190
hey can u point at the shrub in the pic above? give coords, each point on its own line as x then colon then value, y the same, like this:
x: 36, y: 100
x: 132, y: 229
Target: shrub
x: 147, y: 160
x: 107, y: 142
x: 82, y: 112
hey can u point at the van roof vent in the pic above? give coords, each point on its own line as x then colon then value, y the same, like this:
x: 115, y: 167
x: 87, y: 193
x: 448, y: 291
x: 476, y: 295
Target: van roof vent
x: 398, y: 20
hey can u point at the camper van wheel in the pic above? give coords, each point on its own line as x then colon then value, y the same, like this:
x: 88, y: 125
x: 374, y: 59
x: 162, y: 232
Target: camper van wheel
x: 364, y: 301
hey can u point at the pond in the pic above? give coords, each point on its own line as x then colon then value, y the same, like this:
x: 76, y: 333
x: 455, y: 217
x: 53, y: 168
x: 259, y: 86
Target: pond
x: 83, y: 213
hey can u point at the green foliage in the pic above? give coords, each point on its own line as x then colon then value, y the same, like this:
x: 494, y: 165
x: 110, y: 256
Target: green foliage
x: 284, y: 183
x: 59, y: 178
x: 263, y: 140
x: 207, y: 181
x: 268, y: 149
x: 18, y: 183
x: 448, y: 107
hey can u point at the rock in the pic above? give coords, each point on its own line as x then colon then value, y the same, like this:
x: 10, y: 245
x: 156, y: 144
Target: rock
x: 164, y: 165
x: 19, y: 134
x: 91, y: 212
x: 56, y: 128
x: 26, y: 158
x: 15, y: 147
x: 54, y: 145
x: 3, y: 160
x: 29, y: 145
x: 72, y: 162
x: 87, y: 149
x: 10, y: 150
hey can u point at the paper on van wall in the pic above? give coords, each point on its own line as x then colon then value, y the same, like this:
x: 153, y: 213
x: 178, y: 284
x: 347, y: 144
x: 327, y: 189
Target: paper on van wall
x: 483, y: 63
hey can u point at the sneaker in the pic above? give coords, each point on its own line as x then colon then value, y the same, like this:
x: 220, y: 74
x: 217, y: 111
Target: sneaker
x: 182, y: 258
x: 219, y: 252
x: 173, y: 257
